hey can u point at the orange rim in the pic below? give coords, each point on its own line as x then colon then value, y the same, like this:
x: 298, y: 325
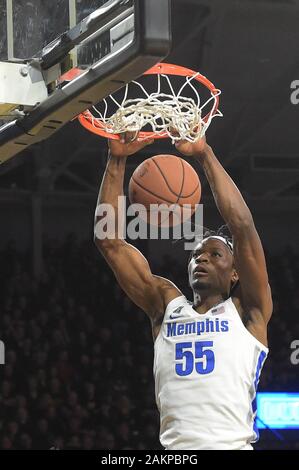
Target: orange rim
x: 96, y: 126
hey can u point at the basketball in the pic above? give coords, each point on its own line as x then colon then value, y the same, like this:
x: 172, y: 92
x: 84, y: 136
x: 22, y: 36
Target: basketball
x: 167, y: 180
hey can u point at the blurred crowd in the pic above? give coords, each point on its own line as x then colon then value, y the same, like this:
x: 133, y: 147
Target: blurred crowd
x: 79, y: 354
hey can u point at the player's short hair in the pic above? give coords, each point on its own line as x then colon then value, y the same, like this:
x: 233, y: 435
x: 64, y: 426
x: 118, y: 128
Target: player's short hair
x: 222, y: 233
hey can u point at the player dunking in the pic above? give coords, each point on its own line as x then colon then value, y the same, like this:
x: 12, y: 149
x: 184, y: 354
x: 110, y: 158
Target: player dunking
x: 208, y: 353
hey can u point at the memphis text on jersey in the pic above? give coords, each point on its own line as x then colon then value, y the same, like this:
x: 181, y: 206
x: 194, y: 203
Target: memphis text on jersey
x: 197, y: 327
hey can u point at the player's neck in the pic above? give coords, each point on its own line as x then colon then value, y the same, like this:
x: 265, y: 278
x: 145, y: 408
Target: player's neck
x: 205, y: 301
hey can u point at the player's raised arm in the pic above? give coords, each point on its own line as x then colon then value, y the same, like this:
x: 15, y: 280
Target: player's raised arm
x: 151, y: 293
x: 249, y: 256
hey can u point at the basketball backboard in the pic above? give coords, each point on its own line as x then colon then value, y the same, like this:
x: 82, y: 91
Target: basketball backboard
x: 59, y: 58
x: 23, y: 39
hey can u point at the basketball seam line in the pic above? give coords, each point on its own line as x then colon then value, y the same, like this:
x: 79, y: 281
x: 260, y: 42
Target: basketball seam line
x: 191, y: 194
x: 153, y: 194
x: 183, y: 180
x: 180, y: 196
x: 176, y: 195
x: 162, y: 197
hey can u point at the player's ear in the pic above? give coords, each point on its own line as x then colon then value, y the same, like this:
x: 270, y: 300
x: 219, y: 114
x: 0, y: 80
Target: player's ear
x: 234, y: 278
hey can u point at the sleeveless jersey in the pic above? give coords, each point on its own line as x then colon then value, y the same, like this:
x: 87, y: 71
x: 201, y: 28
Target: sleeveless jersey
x: 206, y: 369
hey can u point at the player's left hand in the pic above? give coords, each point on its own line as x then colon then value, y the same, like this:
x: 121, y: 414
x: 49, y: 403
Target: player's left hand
x: 128, y: 144
x: 190, y: 149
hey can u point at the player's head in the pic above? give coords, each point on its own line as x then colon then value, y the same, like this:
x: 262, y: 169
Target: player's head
x: 211, y: 266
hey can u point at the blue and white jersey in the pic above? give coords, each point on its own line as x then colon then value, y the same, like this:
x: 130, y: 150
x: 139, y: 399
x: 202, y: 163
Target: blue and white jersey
x: 206, y: 369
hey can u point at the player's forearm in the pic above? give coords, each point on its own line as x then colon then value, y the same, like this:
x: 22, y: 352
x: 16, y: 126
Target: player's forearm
x: 110, y: 190
x: 228, y: 198
x: 113, y: 181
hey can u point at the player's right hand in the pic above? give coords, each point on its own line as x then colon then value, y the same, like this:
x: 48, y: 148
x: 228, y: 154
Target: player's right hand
x: 128, y: 144
x: 190, y: 149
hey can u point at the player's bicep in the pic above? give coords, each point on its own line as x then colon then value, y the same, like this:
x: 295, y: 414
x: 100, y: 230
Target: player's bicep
x: 251, y: 267
x: 134, y: 275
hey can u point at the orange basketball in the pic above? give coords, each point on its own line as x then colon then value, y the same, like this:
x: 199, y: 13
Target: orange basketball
x: 168, y: 180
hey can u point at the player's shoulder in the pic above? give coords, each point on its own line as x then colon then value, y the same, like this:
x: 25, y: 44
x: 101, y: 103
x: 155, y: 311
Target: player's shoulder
x: 168, y: 291
x: 253, y: 313
x: 167, y: 288
x: 253, y: 319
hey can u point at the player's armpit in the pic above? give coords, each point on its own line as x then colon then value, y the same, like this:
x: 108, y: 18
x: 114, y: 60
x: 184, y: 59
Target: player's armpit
x: 132, y: 271
x: 250, y: 264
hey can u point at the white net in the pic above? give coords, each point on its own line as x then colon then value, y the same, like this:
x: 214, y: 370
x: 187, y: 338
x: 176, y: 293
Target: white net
x: 167, y: 115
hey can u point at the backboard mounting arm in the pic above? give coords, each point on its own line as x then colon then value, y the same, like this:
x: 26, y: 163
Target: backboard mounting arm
x: 96, y: 23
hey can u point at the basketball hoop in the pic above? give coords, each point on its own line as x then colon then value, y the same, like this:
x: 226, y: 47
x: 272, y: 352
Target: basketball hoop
x: 165, y: 113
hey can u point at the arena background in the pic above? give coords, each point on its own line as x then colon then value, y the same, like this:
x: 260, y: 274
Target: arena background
x: 78, y: 371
